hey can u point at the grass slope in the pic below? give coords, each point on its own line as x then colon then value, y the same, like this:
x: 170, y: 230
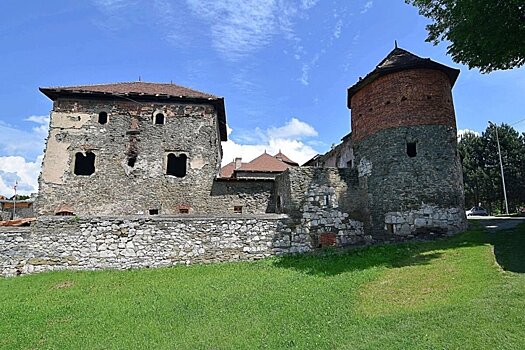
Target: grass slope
x: 448, y: 294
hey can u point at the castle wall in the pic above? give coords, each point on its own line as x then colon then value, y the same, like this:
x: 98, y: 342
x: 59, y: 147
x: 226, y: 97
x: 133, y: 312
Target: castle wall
x: 404, y: 98
x: 325, y: 203
x: 116, y: 188
x: 57, y: 243
x: 416, y: 195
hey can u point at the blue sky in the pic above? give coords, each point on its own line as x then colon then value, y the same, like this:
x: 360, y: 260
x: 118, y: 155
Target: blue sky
x: 283, y: 66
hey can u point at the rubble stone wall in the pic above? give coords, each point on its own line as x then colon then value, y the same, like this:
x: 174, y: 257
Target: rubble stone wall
x: 324, y: 201
x: 130, y: 242
x: 116, y: 187
x: 427, y: 188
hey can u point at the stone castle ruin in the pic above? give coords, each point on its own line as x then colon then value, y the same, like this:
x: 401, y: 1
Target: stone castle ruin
x: 131, y: 178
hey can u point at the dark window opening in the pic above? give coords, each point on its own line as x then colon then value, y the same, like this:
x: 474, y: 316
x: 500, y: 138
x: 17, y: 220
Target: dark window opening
x: 411, y: 149
x: 84, y: 164
x: 279, y: 203
x: 176, y: 165
x: 159, y: 118
x: 403, y: 98
x: 131, y: 161
x: 237, y: 209
x: 102, y: 118
x: 429, y: 97
x: 326, y: 200
x: 390, y: 228
x: 153, y: 212
x: 184, y: 211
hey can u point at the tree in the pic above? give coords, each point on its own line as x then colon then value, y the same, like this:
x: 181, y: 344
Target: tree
x: 481, y: 169
x: 487, y: 34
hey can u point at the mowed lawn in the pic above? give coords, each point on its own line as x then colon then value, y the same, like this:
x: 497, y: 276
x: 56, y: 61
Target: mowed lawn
x: 465, y: 292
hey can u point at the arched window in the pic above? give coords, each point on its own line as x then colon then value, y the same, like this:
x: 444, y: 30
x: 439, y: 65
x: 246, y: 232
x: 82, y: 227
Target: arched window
x: 159, y: 118
x: 84, y: 164
x: 176, y: 165
x: 102, y: 118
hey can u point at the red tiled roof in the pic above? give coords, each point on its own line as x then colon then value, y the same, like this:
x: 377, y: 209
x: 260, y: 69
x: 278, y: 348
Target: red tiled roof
x: 227, y: 170
x: 264, y: 162
x: 137, y: 87
x: 285, y: 159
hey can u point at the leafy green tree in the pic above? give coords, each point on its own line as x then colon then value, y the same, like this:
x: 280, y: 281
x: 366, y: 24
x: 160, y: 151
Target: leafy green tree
x: 487, y: 34
x: 481, y: 168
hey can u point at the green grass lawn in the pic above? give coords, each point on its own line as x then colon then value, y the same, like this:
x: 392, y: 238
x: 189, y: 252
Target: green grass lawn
x: 466, y: 292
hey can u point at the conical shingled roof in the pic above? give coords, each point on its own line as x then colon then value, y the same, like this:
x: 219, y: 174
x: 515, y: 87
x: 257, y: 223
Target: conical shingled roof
x: 399, y: 59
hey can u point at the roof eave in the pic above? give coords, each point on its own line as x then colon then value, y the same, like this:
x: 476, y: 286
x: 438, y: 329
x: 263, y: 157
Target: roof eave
x: 218, y: 102
x: 452, y: 74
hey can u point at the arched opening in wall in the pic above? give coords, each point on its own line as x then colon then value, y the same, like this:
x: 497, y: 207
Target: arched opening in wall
x: 411, y: 149
x: 102, y: 118
x: 159, y: 119
x: 176, y: 165
x: 84, y: 164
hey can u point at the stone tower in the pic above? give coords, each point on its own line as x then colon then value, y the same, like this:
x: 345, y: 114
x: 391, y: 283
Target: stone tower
x: 130, y: 149
x: 405, y: 142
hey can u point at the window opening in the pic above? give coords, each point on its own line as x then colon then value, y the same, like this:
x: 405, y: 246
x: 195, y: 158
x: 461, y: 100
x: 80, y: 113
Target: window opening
x: 237, y: 209
x: 411, y: 149
x: 153, y: 212
x: 131, y: 161
x: 326, y: 200
x: 84, y: 164
x: 390, y: 228
x: 176, y: 165
x: 184, y: 211
x: 159, y: 118
x: 102, y: 118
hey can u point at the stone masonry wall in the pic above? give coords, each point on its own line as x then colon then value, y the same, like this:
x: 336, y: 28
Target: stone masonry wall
x: 416, y: 194
x: 117, y: 188
x: 130, y: 242
x: 325, y: 203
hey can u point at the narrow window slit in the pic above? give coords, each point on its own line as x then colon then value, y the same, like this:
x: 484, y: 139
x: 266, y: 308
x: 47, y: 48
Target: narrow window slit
x: 411, y: 149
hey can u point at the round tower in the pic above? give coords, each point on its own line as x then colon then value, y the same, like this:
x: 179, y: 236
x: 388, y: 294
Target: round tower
x: 405, y: 142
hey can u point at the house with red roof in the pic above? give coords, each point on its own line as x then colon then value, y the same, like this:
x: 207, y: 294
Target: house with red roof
x: 265, y: 166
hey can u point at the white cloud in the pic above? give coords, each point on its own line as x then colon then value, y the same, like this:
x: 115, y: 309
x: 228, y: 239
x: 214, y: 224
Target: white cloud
x: 16, y: 168
x: 287, y: 138
x: 21, y: 154
x: 368, y: 5
x: 463, y: 132
x: 292, y: 129
x: 18, y: 142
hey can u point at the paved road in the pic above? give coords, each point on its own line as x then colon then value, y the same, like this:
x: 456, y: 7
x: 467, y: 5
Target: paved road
x: 493, y: 223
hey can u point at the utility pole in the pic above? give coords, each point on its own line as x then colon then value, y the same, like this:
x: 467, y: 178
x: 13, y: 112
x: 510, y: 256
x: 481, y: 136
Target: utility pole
x: 14, y: 200
x: 501, y: 168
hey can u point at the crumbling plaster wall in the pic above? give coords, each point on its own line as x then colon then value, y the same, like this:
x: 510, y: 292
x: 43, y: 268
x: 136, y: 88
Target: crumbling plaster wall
x: 117, y: 188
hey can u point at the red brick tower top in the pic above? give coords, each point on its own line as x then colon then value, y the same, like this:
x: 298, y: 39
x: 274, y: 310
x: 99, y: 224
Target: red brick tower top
x: 403, y: 90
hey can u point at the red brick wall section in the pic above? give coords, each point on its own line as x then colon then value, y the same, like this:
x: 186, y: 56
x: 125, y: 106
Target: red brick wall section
x: 327, y: 239
x: 405, y: 98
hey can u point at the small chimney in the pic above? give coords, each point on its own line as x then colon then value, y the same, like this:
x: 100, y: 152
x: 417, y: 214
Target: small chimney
x: 238, y: 163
